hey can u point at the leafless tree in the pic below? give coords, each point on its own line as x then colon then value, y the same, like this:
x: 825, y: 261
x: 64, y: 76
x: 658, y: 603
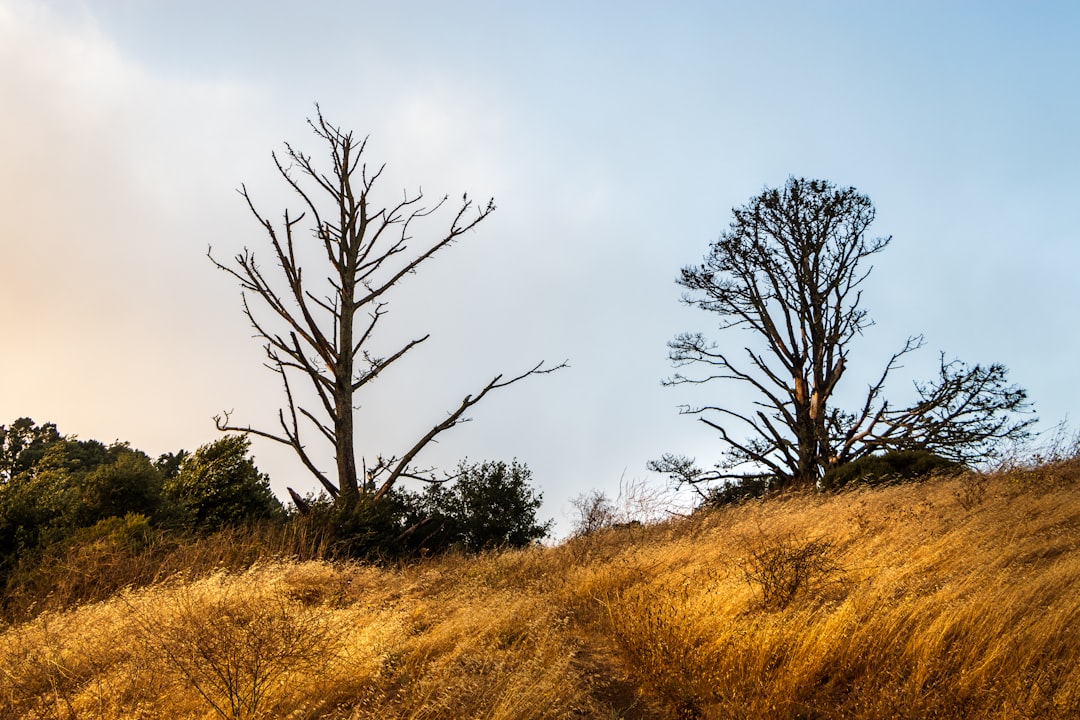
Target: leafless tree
x: 789, y: 268
x: 321, y: 333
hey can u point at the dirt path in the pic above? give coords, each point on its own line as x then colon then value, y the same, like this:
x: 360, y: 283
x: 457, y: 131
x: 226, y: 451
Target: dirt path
x: 611, y: 685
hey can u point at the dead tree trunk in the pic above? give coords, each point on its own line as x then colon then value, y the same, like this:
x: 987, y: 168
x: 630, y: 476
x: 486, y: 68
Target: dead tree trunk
x: 321, y: 331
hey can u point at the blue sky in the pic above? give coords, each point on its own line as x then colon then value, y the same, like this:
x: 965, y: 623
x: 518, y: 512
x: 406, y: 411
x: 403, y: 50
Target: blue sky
x: 615, y: 139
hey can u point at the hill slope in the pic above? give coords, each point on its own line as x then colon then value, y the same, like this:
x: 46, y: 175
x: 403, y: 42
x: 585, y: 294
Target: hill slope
x: 954, y: 598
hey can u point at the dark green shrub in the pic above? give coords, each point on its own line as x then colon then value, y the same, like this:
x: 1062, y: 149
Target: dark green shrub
x: 127, y: 482
x: 732, y: 492
x: 73, y: 485
x: 489, y: 505
x: 892, y: 466
x: 364, y: 530
x: 132, y: 531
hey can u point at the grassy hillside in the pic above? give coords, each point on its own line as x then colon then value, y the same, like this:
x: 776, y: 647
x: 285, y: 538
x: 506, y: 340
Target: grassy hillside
x: 954, y: 598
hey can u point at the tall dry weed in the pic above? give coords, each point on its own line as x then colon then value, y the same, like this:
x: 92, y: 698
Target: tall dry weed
x: 96, y: 566
x: 947, y: 609
x: 246, y: 652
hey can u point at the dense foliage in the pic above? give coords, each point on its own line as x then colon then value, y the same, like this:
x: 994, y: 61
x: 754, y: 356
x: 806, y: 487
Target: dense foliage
x: 55, y: 490
x: 889, y: 467
x: 219, y: 485
x: 489, y: 505
x: 63, y: 500
x: 67, y: 484
x: 483, y: 506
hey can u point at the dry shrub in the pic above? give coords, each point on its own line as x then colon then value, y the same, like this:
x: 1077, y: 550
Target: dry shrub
x: 248, y: 653
x: 268, y: 642
x: 971, y: 490
x: 460, y: 639
x: 779, y: 568
x: 84, y: 663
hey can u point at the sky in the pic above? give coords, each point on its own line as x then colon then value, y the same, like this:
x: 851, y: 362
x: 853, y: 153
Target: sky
x: 615, y: 138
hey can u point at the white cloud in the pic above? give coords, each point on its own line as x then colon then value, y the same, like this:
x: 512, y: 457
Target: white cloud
x: 113, y: 182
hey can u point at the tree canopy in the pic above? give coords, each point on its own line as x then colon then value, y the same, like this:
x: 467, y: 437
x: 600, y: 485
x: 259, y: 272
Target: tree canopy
x: 488, y: 505
x: 219, y: 485
x: 52, y: 487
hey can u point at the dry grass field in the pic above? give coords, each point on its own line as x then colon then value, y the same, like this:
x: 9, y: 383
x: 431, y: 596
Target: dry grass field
x: 952, y: 598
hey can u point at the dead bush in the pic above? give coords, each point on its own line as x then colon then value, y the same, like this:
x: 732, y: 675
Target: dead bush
x: 244, y: 652
x: 779, y: 568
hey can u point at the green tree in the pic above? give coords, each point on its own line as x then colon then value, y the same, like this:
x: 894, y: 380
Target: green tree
x: 790, y: 269
x: 219, y: 485
x: 79, y: 482
x: 489, y: 505
x: 126, y: 482
x: 74, y: 484
x: 168, y: 464
x: 22, y: 444
x: 24, y: 513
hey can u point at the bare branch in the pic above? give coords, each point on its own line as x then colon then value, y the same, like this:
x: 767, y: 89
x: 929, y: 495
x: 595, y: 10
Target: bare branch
x: 455, y: 418
x: 315, y: 331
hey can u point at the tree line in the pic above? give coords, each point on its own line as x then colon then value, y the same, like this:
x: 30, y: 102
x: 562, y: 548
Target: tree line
x: 58, y: 490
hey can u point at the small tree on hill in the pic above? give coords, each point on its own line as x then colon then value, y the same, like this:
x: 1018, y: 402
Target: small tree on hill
x: 489, y: 505
x: 218, y: 485
x: 322, y: 332
x: 789, y: 269
x: 495, y: 505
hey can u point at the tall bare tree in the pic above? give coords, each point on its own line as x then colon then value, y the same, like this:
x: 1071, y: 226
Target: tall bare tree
x: 789, y: 269
x: 321, y: 333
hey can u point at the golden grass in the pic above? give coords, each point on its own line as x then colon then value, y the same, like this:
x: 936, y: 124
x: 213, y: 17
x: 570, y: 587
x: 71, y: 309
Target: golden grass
x: 954, y: 598
x: 98, y: 562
